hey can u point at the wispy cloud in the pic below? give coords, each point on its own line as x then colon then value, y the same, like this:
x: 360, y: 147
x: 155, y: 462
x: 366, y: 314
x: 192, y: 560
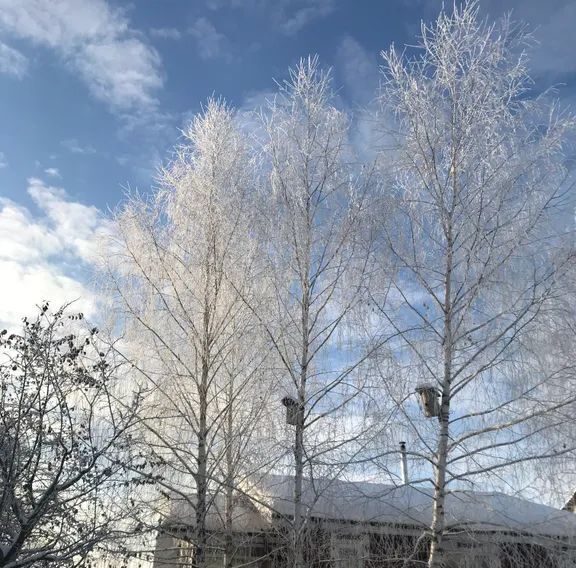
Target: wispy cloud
x: 303, y: 16
x: 359, y: 70
x: 288, y: 16
x: 210, y: 43
x: 12, y: 62
x: 96, y: 41
x: 166, y: 33
x: 3, y: 161
x: 75, y: 147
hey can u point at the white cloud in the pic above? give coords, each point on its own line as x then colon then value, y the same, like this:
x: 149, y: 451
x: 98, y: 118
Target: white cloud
x: 12, y: 62
x: 23, y: 239
x: 52, y: 172
x: 96, y: 41
x: 211, y: 44
x: 76, y: 225
x: 43, y: 256
x: 3, y: 161
x: 123, y: 73
x: 25, y: 286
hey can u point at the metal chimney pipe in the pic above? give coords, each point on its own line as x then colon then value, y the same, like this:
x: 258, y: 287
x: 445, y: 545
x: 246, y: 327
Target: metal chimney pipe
x: 404, y: 463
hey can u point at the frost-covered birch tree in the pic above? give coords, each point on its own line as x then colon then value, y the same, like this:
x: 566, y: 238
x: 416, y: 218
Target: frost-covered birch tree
x: 314, y: 266
x: 476, y: 233
x: 179, y: 264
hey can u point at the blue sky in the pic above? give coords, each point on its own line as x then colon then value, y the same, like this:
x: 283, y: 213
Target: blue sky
x: 93, y: 93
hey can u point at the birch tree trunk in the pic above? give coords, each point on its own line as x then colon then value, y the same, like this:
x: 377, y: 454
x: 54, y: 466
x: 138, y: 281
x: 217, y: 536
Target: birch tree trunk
x: 200, y: 543
x: 229, y: 485
x: 438, y: 504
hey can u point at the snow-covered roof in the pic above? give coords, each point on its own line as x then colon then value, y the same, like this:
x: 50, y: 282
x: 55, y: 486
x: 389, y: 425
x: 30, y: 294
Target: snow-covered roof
x: 246, y: 516
x: 411, y: 505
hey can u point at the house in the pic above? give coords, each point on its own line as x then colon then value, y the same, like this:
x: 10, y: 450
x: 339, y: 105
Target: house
x: 134, y: 552
x: 132, y: 559
x: 358, y: 524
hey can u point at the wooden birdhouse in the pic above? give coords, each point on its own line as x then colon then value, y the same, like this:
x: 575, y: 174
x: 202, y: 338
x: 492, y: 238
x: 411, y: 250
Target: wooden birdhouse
x: 429, y: 399
x: 292, y: 408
